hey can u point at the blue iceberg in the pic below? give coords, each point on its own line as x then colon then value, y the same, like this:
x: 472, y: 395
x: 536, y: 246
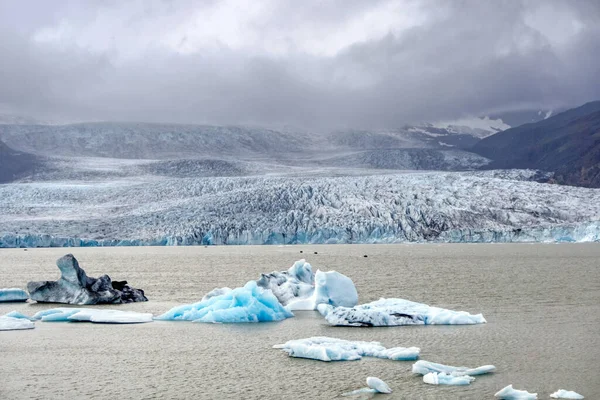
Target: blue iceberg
x: 16, y: 314
x: 508, y: 393
x: 395, y: 312
x: 100, y: 315
x: 442, y: 378
x: 332, y: 349
x: 423, y: 367
x: 249, y: 303
x: 13, y: 294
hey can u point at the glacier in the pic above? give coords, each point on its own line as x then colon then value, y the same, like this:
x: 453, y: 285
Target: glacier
x: 509, y: 393
x: 13, y: 294
x: 423, y: 367
x: 332, y: 349
x: 490, y: 206
x: 566, y: 394
x: 99, y: 315
x: 442, y: 378
x: 249, y: 303
x: 8, y: 323
x: 395, y: 312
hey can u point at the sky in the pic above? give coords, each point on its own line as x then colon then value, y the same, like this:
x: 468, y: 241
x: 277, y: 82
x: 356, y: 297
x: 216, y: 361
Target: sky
x: 313, y: 64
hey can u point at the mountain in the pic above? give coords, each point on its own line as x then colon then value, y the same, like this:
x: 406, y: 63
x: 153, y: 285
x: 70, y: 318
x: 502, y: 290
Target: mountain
x: 567, y: 144
x: 15, y: 164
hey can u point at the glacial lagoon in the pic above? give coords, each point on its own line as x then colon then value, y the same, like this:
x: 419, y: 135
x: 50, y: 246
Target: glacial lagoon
x: 541, y: 303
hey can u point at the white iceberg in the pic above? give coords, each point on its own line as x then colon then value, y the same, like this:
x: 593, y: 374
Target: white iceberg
x: 376, y: 385
x: 100, y: 315
x: 566, y: 394
x: 13, y: 294
x: 508, y: 393
x: 299, y: 288
x: 332, y: 349
x: 10, y: 323
x: 423, y: 367
x: 249, y: 303
x: 442, y: 378
x: 394, y: 312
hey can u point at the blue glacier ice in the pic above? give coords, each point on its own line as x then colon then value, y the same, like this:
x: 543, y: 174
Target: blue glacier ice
x: 442, y: 378
x: 8, y: 323
x: 423, y: 367
x: 96, y: 315
x: 249, y: 303
x: 509, y: 393
x: 394, y: 312
x: 566, y: 394
x: 332, y: 349
x: 16, y: 314
x: 13, y: 294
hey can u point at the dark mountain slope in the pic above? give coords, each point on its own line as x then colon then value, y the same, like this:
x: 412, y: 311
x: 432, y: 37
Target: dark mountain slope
x: 15, y: 164
x: 567, y: 144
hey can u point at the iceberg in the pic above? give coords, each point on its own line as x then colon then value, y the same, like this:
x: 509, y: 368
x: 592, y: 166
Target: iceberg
x: 375, y: 385
x: 8, y: 323
x: 16, y: 314
x: 75, y: 287
x: 423, y: 367
x: 249, y: 303
x: 394, y: 312
x: 13, y: 294
x: 508, y: 393
x: 442, y: 378
x: 332, y: 349
x: 299, y: 288
x: 566, y: 394
x: 103, y: 316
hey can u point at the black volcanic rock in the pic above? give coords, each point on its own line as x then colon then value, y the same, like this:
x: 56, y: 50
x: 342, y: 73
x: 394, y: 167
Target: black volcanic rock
x: 75, y: 287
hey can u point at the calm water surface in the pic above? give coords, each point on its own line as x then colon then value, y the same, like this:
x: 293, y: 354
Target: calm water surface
x: 542, y: 303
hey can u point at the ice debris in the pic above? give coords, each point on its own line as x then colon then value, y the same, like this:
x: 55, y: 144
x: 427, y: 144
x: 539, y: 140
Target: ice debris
x: 566, y: 394
x: 16, y: 314
x: 13, y: 294
x: 394, y: 312
x: 376, y: 385
x: 442, y: 378
x: 299, y: 288
x: 249, y: 303
x: 423, y: 367
x: 99, y: 315
x: 508, y: 393
x: 75, y: 287
x: 332, y: 349
x: 8, y: 323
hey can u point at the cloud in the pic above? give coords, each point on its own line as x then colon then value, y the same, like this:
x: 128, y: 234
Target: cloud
x: 318, y: 65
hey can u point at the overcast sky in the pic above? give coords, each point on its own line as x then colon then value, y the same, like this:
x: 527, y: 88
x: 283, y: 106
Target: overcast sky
x: 314, y: 64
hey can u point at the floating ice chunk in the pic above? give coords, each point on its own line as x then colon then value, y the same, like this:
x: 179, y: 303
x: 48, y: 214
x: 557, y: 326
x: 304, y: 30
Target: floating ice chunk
x: 508, y: 393
x: 332, y: 349
x: 245, y: 304
x: 566, y: 394
x: 16, y: 314
x: 442, y: 378
x: 216, y: 292
x: 11, y: 323
x: 295, y: 283
x: 394, y: 312
x: 425, y: 367
x: 13, y: 294
x: 92, y: 315
x: 378, y: 384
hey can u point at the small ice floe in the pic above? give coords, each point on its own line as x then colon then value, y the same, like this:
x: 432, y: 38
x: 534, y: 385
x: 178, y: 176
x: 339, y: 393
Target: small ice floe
x: 425, y: 367
x: 16, y: 314
x: 12, y: 323
x: 376, y: 385
x: 566, y: 394
x: 99, y: 315
x: 394, y: 312
x: 332, y: 349
x: 442, y: 378
x: 13, y: 294
x: 508, y: 393
x: 249, y: 303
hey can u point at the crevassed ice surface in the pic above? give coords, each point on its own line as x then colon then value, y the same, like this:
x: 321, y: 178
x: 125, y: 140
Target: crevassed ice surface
x: 99, y: 315
x: 9, y: 323
x: 566, y: 394
x: 13, y: 294
x: 423, y: 367
x: 394, y: 312
x: 497, y: 206
x: 332, y: 349
x: 249, y: 303
x: 509, y: 393
x: 442, y: 378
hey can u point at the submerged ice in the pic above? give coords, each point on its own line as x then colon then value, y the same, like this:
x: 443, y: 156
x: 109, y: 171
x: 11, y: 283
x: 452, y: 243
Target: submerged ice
x: 423, y: 367
x: 13, y: 294
x: 375, y: 385
x: 249, y: 303
x: 394, y: 312
x: 442, y: 378
x: 98, y: 315
x: 509, y: 393
x: 332, y: 349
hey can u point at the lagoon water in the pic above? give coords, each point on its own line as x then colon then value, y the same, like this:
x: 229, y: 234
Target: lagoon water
x: 541, y: 301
